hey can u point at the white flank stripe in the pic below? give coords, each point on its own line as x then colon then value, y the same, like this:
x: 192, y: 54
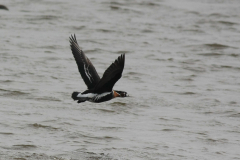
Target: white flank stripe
x: 101, y: 95
x: 88, y: 95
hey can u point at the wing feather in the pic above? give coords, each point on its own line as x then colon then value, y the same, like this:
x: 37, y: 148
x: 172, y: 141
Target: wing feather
x: 85, y: 67
x: 111, y: 75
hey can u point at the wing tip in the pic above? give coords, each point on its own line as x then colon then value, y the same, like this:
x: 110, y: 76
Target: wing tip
x: 73, y: 39
x: 74, y: 43
x: 122, y: 59
x: 123, y: 56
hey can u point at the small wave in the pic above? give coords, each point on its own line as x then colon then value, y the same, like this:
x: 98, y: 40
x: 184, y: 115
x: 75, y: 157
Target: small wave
x: 113, y: 3
x: 125, y: 9
x: 187, y: 93
x: 23, y: 146
x: 237, y: 115
x: 234, y: 131
x: 78, y: 27
x: 147, y: 31
x: 13, y: 93
x: 202, y: 133
x: 168, y: 130
x: 232, y: 102
x: 234, y: 55
x: 211, y: 140
x: 80, y: 154
x: 218, y: 15
x: 193, y: 12
x: 96, y: 50
x: 222, y: 153
x: 48, y: 99
x: 6, y: 81
x: 164, y: 119
x: 105, y: 110
x: 106, y: 30
x: 36, y: 126
x: 122, y: 52
x: 114, y: 7
x: 195, y: 69
x: 111, y: 128
x: 133, y: 73
x: 90, y: 142
x: 150, y: 4
x: 53, y: 77
x: 44, y: 17
x: 216, y: 46
x: 232, y: 67
x: 6, y: 133
x: 32, y: 156
x: 211, y: 46
x: 227, y: 23
x: 211, y: 54
x: 67, y: 123
x: 194, y: 30
x: 208, y: 112
x: 50, y: 47
x: 225, y: 67
x: 186, y: 79
x: 48, y: 52
x: 87, y: 135
x: 118, y: 104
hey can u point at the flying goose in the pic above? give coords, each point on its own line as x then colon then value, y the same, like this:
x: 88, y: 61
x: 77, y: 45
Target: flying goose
x: 99, y: 90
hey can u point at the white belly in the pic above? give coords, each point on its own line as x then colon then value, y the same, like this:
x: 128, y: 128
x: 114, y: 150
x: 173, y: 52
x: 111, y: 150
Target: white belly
x: 88, y: 95
x: 93, y: 97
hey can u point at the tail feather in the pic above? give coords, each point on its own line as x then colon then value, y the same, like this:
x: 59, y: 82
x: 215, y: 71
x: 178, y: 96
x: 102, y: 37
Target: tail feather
x: 79, y: 99
x: 74, y: 95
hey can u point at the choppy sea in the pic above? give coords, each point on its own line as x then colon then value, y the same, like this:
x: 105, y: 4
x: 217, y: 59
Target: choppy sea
x: 182, y: 72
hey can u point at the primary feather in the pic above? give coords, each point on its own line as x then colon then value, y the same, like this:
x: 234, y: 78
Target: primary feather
x: 85, y: 67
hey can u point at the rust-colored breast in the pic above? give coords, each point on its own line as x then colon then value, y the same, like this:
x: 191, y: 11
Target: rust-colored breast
x: 115, y: 94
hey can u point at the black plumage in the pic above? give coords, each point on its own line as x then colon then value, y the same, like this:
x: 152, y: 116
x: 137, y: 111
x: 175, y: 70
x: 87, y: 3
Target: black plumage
x: 111, y: 76
x: 99, y: 90
x: 85, y: 67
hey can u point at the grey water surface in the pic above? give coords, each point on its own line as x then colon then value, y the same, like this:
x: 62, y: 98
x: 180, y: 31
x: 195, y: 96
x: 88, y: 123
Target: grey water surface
x: 182, y: 71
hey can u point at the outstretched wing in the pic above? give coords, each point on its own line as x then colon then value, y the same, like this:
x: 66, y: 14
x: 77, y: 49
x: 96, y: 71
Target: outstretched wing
x: 111, y: 76
x: 85, y: 67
